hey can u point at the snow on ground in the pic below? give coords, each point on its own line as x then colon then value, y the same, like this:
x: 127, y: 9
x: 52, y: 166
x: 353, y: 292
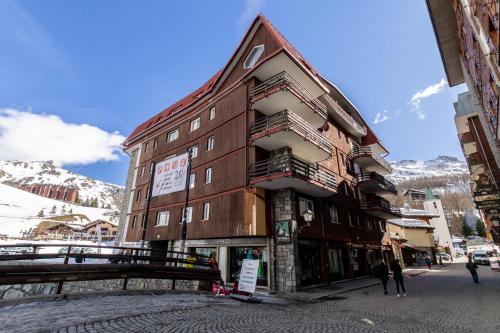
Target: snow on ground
x: 45, y: 172
x: 19, y: 210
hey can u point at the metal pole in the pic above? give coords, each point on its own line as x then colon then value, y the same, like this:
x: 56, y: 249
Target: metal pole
x: 186, y: 201
x: 146, y: 213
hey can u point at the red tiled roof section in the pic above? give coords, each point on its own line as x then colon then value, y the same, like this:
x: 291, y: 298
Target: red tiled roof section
x: 179, y: 105
x: 207, y: 87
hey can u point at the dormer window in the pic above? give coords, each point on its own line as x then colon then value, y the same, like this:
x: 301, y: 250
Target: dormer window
x: 253, y: 56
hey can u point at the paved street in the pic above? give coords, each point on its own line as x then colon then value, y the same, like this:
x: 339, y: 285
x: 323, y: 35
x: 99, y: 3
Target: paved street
x: 443, y: 300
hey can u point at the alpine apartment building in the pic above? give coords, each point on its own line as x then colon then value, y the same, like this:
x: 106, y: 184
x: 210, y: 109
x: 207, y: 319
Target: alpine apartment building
x: 284, y: 170
x: 467, y: 32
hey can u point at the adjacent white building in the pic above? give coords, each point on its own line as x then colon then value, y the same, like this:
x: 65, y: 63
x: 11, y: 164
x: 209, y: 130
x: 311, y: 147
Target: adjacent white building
x: 442, y: 235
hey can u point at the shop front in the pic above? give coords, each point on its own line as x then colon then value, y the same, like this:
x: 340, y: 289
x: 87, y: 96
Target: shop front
x: 230, y: 253
x: 337, y: 262
x: 310, y: 262
x: 358, y: 259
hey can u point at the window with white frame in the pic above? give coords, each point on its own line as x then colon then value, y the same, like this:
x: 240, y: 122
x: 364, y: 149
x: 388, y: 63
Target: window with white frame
x: 192, y: 180
x: 134, y: 221
x: 370, y: 224
x: 195, y: 124
x: 155, y: 143
x: 334, y: 215
x: 162, y: 218
x: 206, y: 211
x: 208, y: 175
x: 210, y: 143
x: 189, y: 214
x: 211, y: 113
x: 194, y: 151
x: 173, y: 135
x: 142, y: 171
x: 253, y: 56
x: 138, y: 197
x: 151, y: 168
x: 146, y: 148
x: 306, y: 204
x: 381, y: 225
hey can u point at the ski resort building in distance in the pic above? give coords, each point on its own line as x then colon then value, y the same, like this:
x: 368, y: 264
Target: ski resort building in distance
x: 285, y: 170
x: 467, y: 32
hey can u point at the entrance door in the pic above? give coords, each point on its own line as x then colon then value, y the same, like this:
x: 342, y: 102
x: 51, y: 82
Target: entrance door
x: 310, y: 272
x: 335, y: 266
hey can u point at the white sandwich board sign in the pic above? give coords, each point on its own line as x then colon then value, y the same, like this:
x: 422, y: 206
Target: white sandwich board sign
x: 248, y: 275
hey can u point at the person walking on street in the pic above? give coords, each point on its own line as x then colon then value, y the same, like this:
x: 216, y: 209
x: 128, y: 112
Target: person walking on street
x: 428, y: 261
x: 397, y: 273
x: 472, y: 267
x: 381, y: 271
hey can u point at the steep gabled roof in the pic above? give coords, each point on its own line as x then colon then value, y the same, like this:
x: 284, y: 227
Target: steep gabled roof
x: 211, y: 85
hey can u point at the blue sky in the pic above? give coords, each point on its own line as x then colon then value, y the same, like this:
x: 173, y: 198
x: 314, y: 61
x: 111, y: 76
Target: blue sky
x: 113, y: 64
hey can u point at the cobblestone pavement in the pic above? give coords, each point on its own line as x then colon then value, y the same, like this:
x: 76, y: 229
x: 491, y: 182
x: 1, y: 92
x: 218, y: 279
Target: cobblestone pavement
x: 443, y: 300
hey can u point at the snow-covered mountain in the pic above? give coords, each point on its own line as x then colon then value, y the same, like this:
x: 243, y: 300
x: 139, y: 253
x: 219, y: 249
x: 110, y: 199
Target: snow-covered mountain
x: 20, y: 210
x: 406, y: 170
x: 16, y: 173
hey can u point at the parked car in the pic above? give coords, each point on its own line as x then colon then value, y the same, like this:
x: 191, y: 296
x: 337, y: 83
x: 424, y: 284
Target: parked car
x: 444, y: 256
x: 481, y: 259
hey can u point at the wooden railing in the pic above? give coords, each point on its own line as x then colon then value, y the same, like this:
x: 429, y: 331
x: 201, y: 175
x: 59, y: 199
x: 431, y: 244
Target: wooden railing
x: 379, y: 203
x: 288, y: 163
x: 290, y: 120
x: 282, y: 80
x: 367, y: 150
x: 130, y: 262
x: 379, y: 179
x: 341, y: 112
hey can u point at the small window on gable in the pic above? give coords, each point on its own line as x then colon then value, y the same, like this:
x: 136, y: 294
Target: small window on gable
x: 253, y: 56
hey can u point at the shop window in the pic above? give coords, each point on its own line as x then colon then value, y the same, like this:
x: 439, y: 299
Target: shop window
x: 237, y: 254
x: 304, y: 205
x: 162, y: 218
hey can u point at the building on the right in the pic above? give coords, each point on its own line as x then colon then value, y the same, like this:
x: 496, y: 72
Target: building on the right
x: 467, y: 32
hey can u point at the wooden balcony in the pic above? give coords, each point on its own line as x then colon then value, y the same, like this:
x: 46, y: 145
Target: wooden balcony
x: 380, y: 207
x: 370, y: 161
x: 281, y: 92
x: 286, y: 129
x: 343, y: 118
x: 375, y: 183
x: 288, y: 171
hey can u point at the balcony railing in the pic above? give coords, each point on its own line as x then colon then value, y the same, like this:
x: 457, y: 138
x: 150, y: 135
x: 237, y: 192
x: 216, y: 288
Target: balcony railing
x: 288, y: 164
x: 288, y: 120
x: 378, y: 203
x: 342, y: 113
x: 367, y: 150
x: 283, y: 80
x: 373, y: 176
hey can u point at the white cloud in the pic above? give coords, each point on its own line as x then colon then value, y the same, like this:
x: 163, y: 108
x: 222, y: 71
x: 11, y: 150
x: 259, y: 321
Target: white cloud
x: 252, y: 8
x: 416, y: 99
x: 27, y: 136
x: 381, y: 117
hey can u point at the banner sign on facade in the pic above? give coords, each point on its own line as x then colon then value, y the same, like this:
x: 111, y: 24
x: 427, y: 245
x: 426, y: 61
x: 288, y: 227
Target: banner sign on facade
x: 170, y: 175
x: 248, y: 275
x: 492, y: 204
x: 282, y: 232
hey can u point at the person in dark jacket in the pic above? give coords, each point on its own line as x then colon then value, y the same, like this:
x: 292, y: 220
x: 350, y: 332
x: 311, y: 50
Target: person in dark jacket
x: 428, y: 262
x: 80, y: 259
x: 397, y: 273
x: 381, y: 271
x: 472, y: 267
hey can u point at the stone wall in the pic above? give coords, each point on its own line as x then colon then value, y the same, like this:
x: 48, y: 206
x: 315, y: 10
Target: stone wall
x: 19, y: 291
x: 287, y: 258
